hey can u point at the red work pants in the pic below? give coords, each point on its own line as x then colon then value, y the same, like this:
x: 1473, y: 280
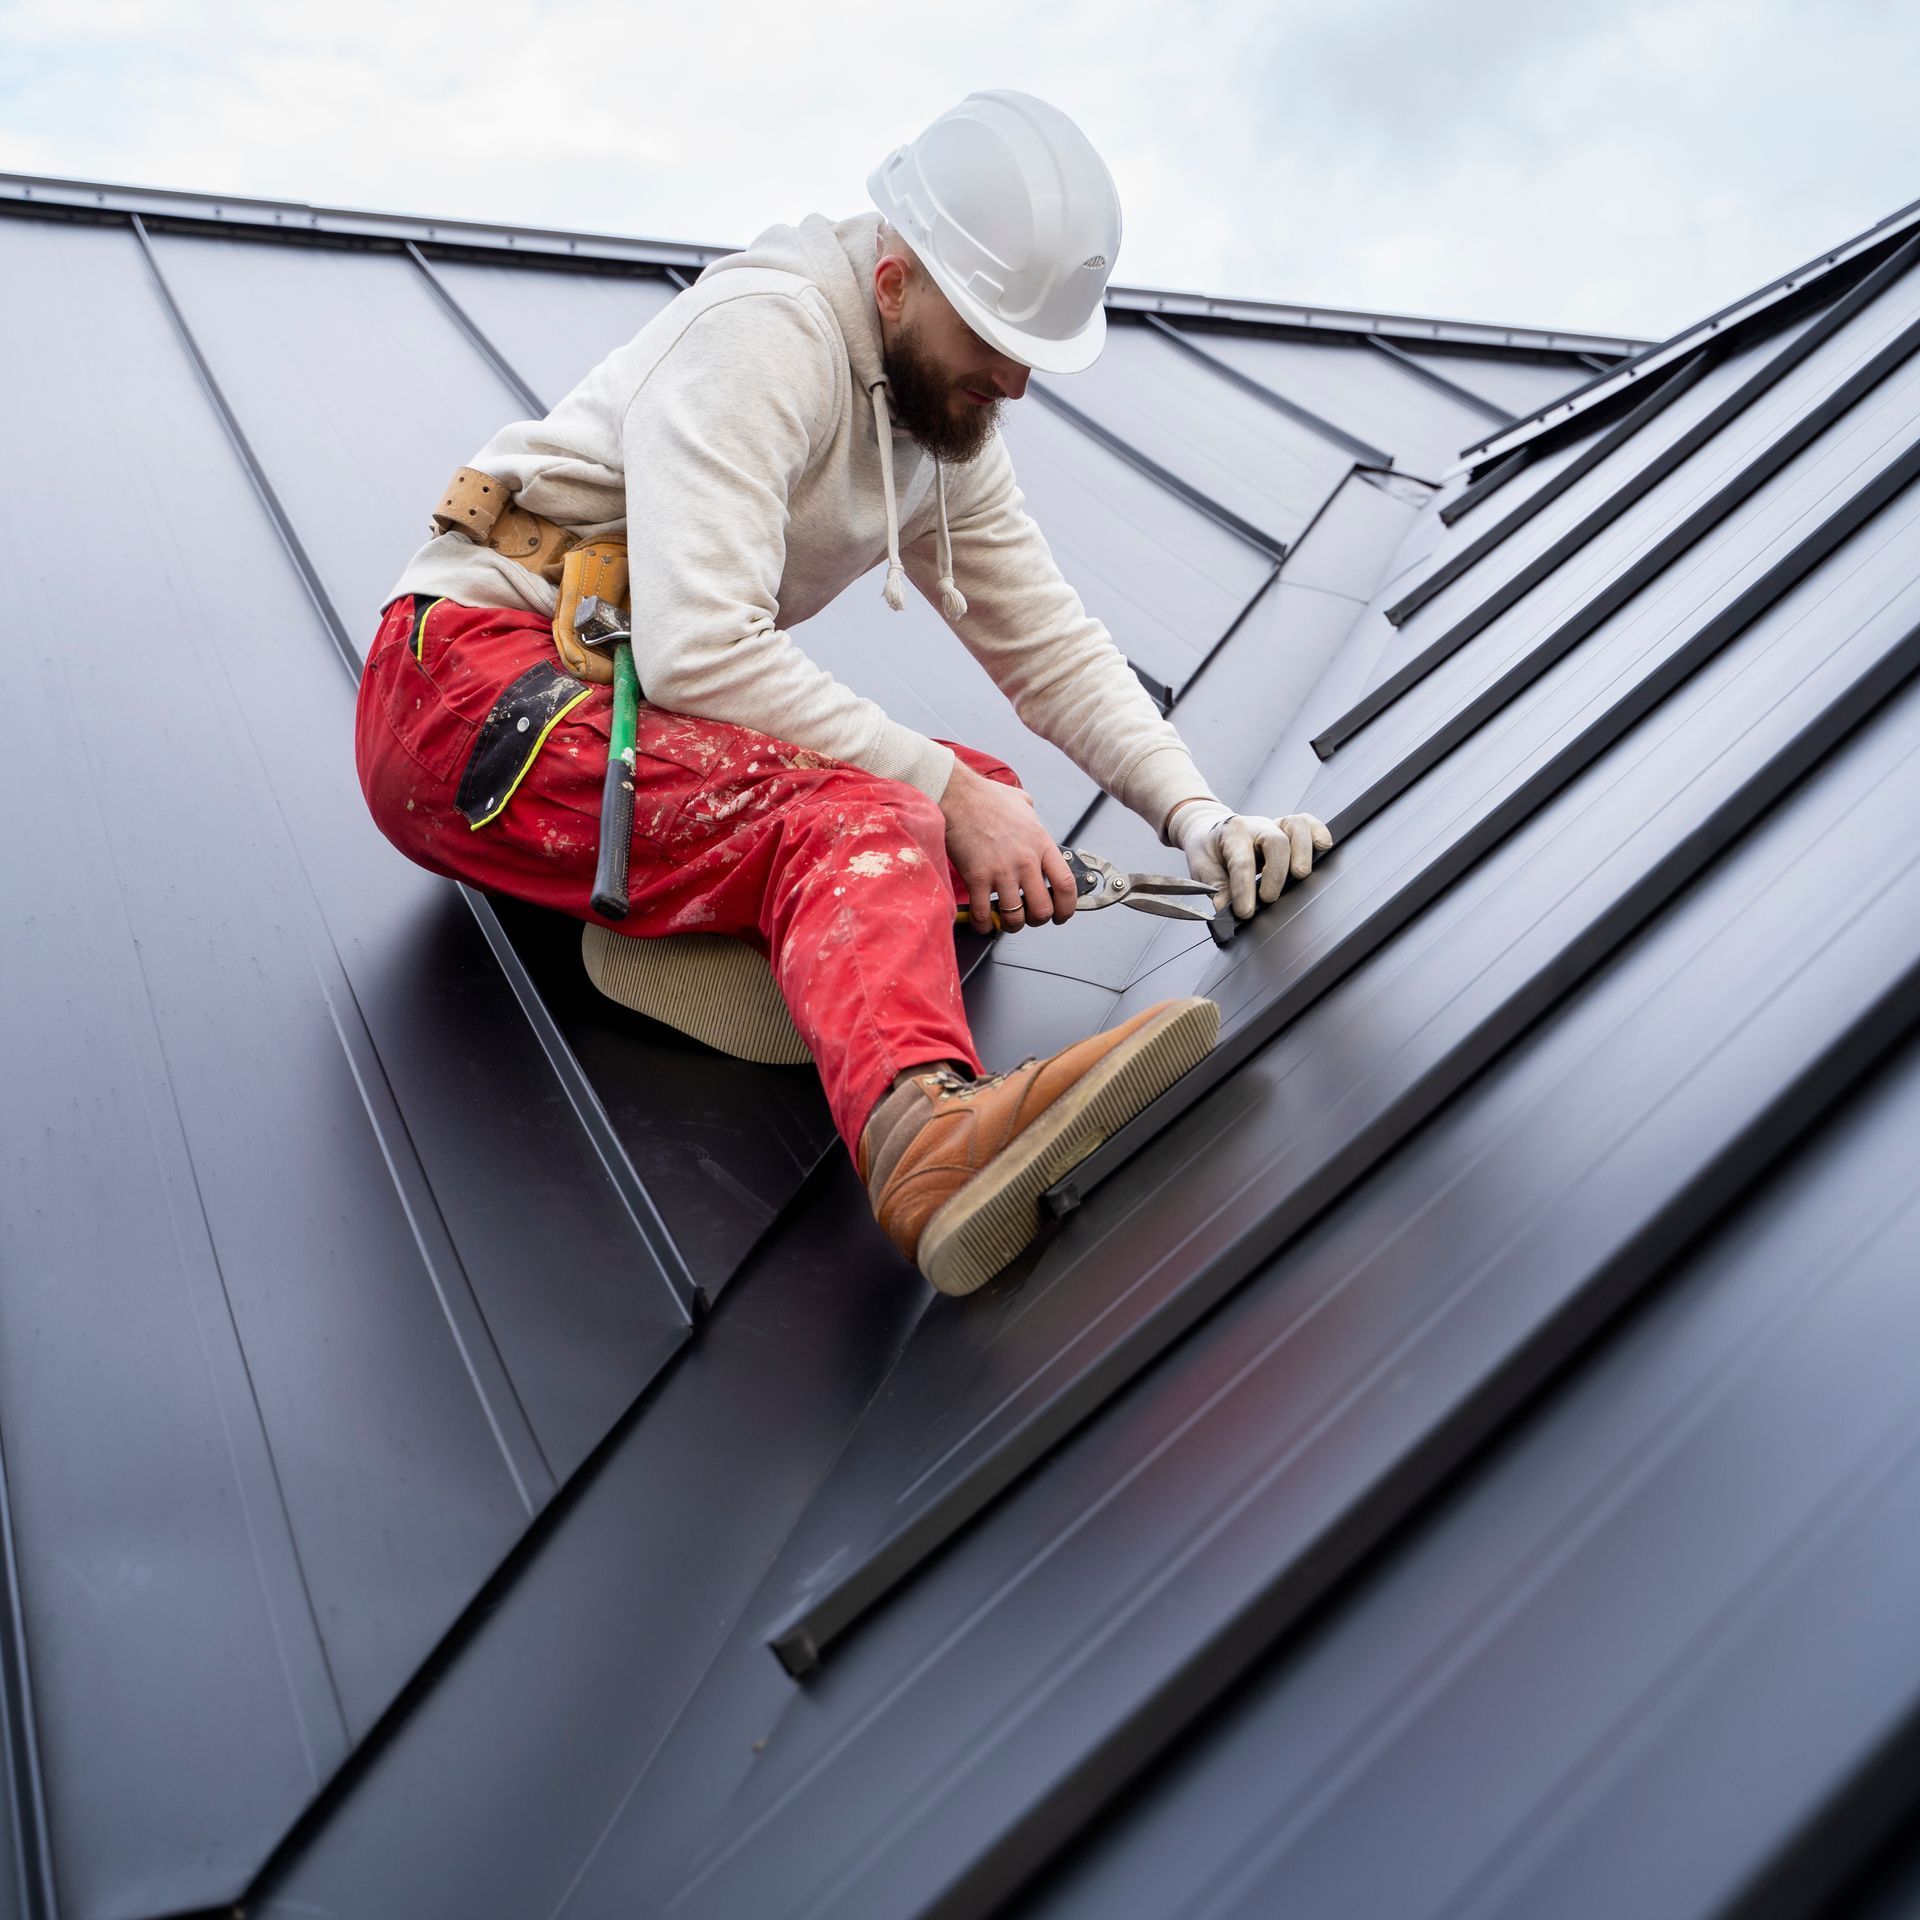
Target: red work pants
x: 839, y: 876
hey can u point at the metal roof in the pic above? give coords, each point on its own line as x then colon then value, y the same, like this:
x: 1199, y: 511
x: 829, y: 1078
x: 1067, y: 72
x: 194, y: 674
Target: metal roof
x: 1429, y: 1466
x: 552, y: 246
x: 1655, y: 358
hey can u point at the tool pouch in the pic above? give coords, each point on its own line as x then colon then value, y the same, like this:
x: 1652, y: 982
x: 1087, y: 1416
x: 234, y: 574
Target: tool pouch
x: 595, y: 570
x: 472, y: 504
x: 482, y: 507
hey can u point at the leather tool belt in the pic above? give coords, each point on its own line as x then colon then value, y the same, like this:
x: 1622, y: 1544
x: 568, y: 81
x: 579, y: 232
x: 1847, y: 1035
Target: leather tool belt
x: 590, y: 574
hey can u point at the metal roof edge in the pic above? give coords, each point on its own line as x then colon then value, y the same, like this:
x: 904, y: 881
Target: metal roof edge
x: 1400, y: 326
x: 243, y: 211
x: 1715, y: 325
x: 22, y: 1778
x: 297, y: 217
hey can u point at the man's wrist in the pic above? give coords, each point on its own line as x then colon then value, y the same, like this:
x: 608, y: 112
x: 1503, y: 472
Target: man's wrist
x: 958, y: 780
x: 1167, y: 838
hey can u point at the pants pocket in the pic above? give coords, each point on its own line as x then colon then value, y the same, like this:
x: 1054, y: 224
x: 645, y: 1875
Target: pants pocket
x: 424, y: 724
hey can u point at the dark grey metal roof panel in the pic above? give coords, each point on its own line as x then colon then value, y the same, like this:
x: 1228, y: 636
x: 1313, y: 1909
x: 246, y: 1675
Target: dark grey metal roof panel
x: 1514, y: 385
x: 1423, y: 367
x: 361, y: 456
x: 282, y: 1036
x: 1016, y: 1014
x: 1167, y: 581
x: 1776, y: 379
x: 27, y: 1888
x: 1506, y: 488
x: 1535, y: 479
x: 1605, y: 1631
x: 1355, y: 539
x: 1416, y: 1027
x: 1049, y: 399
x: 1361, y: 391
x: 1193, y: 346
x: 1084, y: 1625
x: 1730, y: 510
x: 1890, y: 1887
x: 1450, y: 601
x: 591, y: 1653
x: 721, y: 1144
x: 1269, y: 469
x: 554, y: 326
x: 1306, y: 637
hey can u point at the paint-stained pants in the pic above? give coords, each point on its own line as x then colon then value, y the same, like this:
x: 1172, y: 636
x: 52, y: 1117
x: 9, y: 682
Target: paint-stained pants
x: 839, y: 876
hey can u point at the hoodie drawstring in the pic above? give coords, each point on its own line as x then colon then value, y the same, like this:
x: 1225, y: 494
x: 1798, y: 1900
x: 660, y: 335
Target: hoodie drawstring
x: 952, y: 602
x: 895, y: 592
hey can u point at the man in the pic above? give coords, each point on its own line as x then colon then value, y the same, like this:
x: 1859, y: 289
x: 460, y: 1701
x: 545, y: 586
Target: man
x: 821, y: 401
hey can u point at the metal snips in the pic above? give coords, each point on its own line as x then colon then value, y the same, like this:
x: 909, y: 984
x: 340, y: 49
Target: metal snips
x: 1102, y: 884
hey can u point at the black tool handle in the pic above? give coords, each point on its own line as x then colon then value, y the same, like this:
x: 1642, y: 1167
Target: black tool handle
x: 616, y: 841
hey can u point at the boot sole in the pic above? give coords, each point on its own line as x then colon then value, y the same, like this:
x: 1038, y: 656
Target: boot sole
x: 997, y: 1213
x: 709, y: 986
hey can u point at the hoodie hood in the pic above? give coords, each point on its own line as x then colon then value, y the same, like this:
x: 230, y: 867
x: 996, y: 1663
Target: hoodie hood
x: 838, y: 257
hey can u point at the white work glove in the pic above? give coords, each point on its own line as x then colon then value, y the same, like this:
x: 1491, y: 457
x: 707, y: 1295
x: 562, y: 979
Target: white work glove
x: 1239, y: 854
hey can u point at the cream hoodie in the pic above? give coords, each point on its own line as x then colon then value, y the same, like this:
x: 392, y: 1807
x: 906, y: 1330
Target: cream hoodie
x: 743, y: 442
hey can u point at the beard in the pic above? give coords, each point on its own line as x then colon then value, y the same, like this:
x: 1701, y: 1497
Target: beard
x: 921, y: 399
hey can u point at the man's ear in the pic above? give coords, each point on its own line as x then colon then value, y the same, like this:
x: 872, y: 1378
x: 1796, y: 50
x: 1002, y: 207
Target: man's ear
x: 890, y: 280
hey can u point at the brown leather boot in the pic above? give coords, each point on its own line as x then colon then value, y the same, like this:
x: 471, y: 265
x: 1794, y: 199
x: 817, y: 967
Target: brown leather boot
x: 955, y: 1167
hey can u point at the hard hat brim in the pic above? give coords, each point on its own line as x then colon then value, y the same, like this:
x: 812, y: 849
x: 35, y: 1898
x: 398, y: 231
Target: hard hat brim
x: 1075, y: 354
x: 1072, y: 355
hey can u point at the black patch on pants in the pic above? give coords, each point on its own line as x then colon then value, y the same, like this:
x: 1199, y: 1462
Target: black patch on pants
x: 511, y: 735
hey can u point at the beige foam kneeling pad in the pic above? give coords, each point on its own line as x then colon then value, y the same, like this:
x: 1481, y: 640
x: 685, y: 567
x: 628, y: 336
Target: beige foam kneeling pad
x: 709, y: 986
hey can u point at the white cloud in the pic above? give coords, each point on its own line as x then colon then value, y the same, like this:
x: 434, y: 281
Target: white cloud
x: 1489, y: 159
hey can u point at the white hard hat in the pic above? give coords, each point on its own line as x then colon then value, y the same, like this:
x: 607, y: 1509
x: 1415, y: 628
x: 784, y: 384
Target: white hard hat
x: 1017, y: 219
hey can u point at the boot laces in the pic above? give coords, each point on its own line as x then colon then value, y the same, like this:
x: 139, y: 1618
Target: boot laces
x: 954, y: 1085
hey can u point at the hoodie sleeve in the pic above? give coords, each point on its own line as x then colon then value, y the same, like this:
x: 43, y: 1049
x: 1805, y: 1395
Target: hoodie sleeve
x: 713, y: 442
x: 1055, y: 662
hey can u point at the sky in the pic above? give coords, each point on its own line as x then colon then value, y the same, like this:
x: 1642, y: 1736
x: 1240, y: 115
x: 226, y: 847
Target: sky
x: 1616, y: 170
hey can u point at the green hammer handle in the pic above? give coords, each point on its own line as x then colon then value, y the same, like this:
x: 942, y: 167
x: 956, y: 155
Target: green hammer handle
x: 616, y: 797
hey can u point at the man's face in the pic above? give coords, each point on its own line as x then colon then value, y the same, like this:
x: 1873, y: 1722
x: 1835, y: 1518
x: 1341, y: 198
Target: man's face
x: 945, y: 385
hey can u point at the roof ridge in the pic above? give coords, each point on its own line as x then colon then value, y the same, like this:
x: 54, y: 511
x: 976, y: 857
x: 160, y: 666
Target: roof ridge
x: 299, y: 217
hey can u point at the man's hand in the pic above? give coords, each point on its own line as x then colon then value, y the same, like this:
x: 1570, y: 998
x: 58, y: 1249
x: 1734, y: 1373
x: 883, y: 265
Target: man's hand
x: 996, y: 840
x: 1229, y: 850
